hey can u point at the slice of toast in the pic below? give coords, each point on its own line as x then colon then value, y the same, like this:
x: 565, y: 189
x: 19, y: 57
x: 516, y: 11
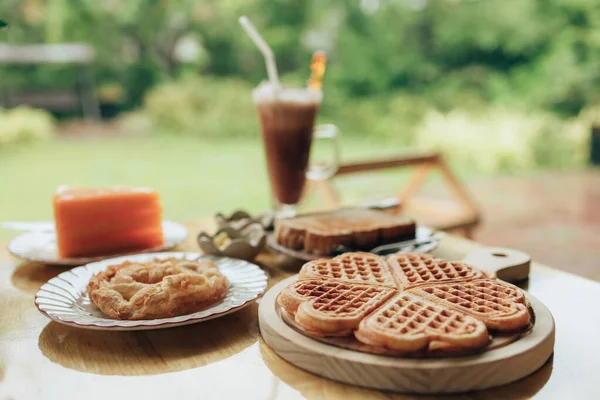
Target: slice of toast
x: 361, y: 229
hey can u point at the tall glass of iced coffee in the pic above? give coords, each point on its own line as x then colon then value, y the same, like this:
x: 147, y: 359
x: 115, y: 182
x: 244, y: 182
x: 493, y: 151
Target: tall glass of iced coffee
x: 287, y: 116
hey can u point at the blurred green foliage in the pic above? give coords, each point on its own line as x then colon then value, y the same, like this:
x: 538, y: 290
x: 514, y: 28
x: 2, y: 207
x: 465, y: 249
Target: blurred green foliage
x: 24, y: 125
x: 499, y: 139
x: 216, y: 108
x: 398, y: 69
x: 535, y: 54
x: 202, y: 106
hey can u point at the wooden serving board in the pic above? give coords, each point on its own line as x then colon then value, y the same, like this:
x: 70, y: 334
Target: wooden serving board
x: 494, y: 367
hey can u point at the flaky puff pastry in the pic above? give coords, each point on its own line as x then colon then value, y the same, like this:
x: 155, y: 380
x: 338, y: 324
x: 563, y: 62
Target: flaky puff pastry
x: 160, y: 288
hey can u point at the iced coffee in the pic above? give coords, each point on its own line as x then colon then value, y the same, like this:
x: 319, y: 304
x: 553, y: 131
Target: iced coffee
x: 287, y: 117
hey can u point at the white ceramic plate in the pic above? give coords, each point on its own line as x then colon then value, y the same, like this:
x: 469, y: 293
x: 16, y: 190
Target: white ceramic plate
x: 64, y: 299
x: 41, y: 246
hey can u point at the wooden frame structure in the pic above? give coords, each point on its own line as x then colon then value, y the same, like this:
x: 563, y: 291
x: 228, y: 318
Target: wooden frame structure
x: 459, y: 216
x: 77, y: 55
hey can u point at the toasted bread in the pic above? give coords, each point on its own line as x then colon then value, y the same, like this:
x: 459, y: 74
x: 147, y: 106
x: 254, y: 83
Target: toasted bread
x: 361, y: 229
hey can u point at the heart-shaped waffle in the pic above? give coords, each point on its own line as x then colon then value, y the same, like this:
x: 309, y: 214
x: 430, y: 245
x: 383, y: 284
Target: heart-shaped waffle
x: 408, y: 323
x: 418, y: 269
x: 328, y: 307
x: 363, y: 268
x: 408, y: 303
x: 499, y: 305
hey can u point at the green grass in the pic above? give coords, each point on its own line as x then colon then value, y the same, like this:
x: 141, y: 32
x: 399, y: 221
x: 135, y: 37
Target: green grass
x: 195, y: 178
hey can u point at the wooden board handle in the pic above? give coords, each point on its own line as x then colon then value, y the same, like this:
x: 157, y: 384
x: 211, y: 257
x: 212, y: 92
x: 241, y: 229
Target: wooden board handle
x: 506, y: 264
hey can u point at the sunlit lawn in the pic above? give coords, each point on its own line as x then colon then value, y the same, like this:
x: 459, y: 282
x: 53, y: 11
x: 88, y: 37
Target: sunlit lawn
x: 195, y: 178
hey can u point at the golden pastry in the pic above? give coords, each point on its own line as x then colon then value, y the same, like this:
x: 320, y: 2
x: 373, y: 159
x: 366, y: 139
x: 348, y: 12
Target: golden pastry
x: 160, y: 288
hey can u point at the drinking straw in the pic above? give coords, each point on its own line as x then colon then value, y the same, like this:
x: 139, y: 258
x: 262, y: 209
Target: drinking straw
x: 263, y: 47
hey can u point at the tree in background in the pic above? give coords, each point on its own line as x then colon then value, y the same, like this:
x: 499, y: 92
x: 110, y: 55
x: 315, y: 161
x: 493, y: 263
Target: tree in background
x: 531, y: 54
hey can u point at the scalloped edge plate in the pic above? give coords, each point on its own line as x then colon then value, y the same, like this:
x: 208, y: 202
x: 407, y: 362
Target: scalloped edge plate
x: 41, y: 246
x: 64, y: 298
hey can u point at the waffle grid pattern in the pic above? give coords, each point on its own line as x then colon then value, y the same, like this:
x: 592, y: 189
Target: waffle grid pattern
x: 425, y: 270
x: 339, y: 298
x: 429, y: 297
x: 354, y: 267
x: 474, y: 298
x: 495, y: 289
x: 409, y: 315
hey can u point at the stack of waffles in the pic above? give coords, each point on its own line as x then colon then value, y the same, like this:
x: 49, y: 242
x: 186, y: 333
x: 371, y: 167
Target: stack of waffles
x: 406, y: 303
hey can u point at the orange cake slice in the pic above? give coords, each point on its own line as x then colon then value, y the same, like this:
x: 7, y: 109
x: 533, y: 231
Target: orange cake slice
x: 103, y: 221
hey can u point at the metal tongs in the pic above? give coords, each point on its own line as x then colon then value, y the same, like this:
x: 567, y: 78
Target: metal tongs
x: 423, y: 245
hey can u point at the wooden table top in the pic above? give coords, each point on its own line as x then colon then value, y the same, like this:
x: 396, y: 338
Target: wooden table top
x: 227, y: 359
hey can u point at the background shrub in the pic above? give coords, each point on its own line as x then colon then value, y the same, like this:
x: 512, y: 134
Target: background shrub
x: 503, y: 84
x: 24, y: 125
x: 203, y: 107
x: 505, y: 140
x: 531, y: 54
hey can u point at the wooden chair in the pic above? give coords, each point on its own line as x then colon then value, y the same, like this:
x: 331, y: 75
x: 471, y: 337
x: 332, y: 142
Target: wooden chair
x: 459, y: 215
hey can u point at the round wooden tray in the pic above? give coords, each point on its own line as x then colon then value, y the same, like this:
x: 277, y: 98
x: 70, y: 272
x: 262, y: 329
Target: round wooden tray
x: 494, y: 367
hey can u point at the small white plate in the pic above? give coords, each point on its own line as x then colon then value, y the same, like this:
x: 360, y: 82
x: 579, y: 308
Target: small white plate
x: 64, y: 298
x: 40, y: 246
